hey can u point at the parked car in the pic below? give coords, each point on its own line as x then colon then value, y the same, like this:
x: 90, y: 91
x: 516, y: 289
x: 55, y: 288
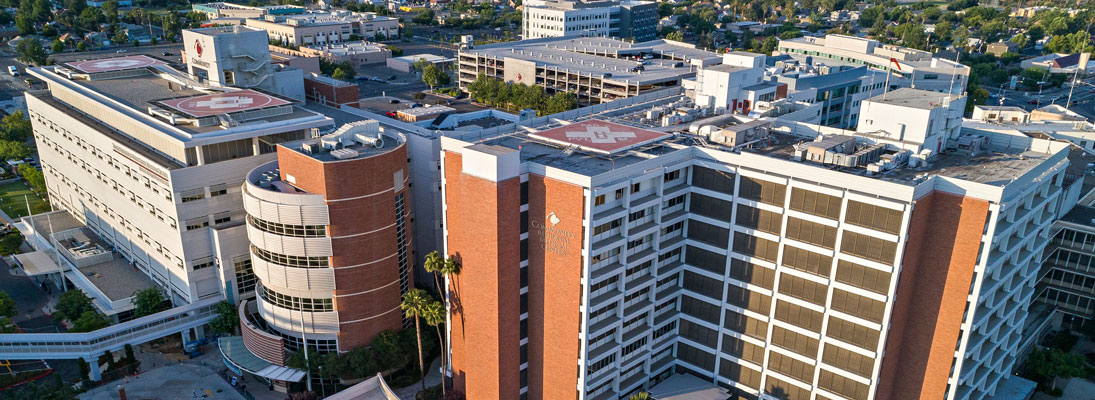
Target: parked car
x: 1032, y: 101
x: 166, y: 53
x: 390, y: 114
x: 393, y: 101
x: 121, y: 51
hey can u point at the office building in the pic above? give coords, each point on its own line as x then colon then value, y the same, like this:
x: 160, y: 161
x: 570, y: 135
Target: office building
x: 597, y: 70
x: 152, y: 163
x: 320, y: 28
x: 627, y: 19
x: 846, y: 265
x: 220, y: 10
x: 909, y: 67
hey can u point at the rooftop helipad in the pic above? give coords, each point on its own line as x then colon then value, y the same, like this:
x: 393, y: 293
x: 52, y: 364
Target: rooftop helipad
x: 598, y: 136
x: 223, y: 103
x: 114, y: 64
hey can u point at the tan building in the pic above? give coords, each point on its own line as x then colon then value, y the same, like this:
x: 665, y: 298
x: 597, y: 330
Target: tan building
x: 318, y: 28
x: 357, y: 53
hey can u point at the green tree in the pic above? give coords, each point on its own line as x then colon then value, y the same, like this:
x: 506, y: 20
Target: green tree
x: 58, y: 46
x: 339, y: 74
x: 10, y: 149
x: 89, y: 321
x: 434, y: 76
x: 7, y: 305
x: 147, y: 302
x: 110, y: 11
x: 640, y: 396
x: 120, y: 36
x: 72, y: 304
x: 420, y: 64
x: 675, y: 36
x: 9, y: 244
x: 30, y: 51
x: 25, y: 24
x: 33, y: 176
x: 227, y: 320
x: 414, y: 304
x: 15, y: 126
x: 81, y: 46
x: 1054, y: 363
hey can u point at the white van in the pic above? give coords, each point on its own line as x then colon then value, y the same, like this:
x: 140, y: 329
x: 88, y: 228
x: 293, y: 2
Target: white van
x: 13, y: 71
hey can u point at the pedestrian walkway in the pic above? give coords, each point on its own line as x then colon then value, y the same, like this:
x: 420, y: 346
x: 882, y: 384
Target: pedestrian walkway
x: 433, y: 378
x: 179, y: 381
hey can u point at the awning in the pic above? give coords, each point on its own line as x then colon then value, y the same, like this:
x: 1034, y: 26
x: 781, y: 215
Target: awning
x: 684, y: 386
x: 37, y: 263
x: 277, y: 373
x: 236, y: 353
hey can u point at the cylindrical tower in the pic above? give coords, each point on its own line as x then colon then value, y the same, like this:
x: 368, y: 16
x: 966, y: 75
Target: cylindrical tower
x: 328, y: 227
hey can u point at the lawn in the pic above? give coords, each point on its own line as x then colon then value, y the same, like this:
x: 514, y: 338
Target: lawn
x: 14, y: 198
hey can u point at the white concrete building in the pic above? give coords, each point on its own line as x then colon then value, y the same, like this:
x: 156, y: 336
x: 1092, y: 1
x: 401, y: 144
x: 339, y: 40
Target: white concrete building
x: 632, y: 19
x: 916, y: 120
x: 238, y: 56
x: 909, y: 67
x: 722, y: 86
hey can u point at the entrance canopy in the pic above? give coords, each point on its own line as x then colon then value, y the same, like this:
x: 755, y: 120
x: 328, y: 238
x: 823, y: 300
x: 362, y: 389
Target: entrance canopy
x: 37, y: 263
x: 236, y: 353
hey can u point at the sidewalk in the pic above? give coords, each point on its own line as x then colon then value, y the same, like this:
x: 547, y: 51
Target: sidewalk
x: 433, y: 378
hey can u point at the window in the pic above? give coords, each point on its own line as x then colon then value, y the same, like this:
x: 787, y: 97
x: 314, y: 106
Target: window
x: 197, y: 223
x: 868, y: 247
x: 751, y: 273
x: 699, y: 334
x: 599, y: 200
x: 774, y: 385
x: 710, y: 207
x: 737, y: 373
x: 245, y: 276
x: 859, y: 306
x: 296, y: 303
x: 714, y: 180
x: 695, y: 356
x: 761, y: 220
x: 842, y: 386
x: 306, y: 231
x: 850, y: 332
x: 221, y: 218
x: 290, y: 261
x: 709, y: 234
x: 755, y: 247
x: 798, y: 343
x: 791, y: 367
x: 803, y: 289
x: 762, y: 191
x: 815, y: 203
x: 605, y: 227
x: 848, y: 360
x: 201, y: 263
x: 742, y: 349
x: 703, y: 285
x: 807, y: 261
x: 674, y: 201
x: 192, y: 195
x: 811, y: 232
x: 706, y: 260
x: 699, y: 309
x: 218, y: 190
x: 672, y: 175
x: 747, y: 299
x: 874, y: 217
x: 636, y: 187
x: 798, y: 316
x: 863, y: 277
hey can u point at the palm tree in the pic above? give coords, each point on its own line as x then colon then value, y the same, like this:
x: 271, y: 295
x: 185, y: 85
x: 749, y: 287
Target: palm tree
x: 434, y: 263
x: 640, y: 396
x: 414, y: 304
x: 434, y: 314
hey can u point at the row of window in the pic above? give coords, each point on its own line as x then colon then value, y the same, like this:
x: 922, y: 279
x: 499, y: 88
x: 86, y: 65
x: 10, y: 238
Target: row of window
x: 295, y: 303
x: 305, y: 231
x: 290, y: 261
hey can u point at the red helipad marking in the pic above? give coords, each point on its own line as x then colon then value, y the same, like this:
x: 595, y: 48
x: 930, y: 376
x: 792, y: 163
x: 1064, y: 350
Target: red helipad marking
x: 600, y: 136
x: 223, y: 103
x: 115, y: 64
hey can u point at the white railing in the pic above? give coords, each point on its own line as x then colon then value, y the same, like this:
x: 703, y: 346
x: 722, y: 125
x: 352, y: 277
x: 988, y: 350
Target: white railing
x: 37, y: 346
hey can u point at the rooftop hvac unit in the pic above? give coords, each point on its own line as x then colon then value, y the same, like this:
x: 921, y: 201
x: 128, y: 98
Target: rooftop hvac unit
x: 311, y: 147
x: 343, y: 154
x: 329, y: 143
x: 374, y: 141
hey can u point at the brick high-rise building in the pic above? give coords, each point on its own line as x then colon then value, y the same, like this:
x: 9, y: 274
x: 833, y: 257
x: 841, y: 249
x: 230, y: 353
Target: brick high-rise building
x: 602, y: 259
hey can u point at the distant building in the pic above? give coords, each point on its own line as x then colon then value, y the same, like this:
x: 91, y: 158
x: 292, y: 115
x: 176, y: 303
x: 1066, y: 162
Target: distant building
x: 1001, y: 114
x: 230, y: 10
x: 999, y: 48
x: 1061, y: 63
x: 406, y: 63
x: 627, y: 19
x: 318, y: 28
x: 909, y: 67
x: 357, y: 53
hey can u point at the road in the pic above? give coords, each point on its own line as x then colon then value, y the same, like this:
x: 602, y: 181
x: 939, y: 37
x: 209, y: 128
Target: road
x: 1083, y: 98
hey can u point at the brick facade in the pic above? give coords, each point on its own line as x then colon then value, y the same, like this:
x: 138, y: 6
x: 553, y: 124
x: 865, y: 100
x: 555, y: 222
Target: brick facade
x: 944, y: 238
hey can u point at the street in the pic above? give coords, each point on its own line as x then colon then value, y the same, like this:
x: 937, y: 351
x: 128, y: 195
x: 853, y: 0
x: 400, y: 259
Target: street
x: 1083, y: 98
